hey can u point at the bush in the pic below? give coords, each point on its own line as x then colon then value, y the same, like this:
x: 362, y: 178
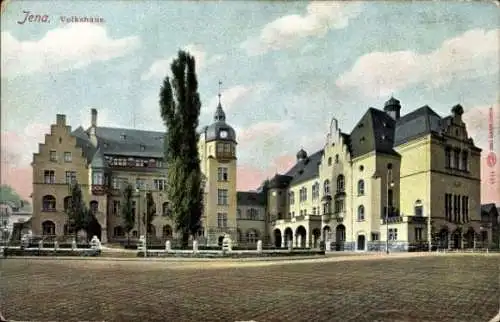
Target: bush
x: 49, y: 252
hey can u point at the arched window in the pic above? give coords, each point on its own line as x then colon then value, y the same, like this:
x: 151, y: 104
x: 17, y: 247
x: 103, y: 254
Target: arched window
x: 48, y: 228
x: 329, y: 161
x: 336, y: 158
x: 165, y: 209
x: 361, y: 187
x: 94, y: 206
x: 326, y: 187
x: 67, y: 203
x: 315, y: 190
x: 361, y: 213
x: 340, y: 183
x: 48, y: 203
x: 167, y: 231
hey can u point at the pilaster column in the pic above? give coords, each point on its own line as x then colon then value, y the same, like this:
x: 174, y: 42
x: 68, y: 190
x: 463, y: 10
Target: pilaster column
x: 308, y: 238
x: 283, y: 241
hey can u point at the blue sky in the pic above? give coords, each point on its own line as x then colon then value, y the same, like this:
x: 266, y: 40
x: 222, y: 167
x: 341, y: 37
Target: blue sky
x: 286, y: 67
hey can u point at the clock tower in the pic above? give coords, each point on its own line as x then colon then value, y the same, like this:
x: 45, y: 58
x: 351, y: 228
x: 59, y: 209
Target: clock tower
x: 217, y: 147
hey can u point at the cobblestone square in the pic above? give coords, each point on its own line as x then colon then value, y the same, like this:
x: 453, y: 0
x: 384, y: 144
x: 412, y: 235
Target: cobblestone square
x: 432, y: 288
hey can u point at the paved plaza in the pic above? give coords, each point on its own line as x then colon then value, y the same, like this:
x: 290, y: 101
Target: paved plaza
x: 367, y: 288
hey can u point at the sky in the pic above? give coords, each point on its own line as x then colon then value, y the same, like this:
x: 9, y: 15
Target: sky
x: 286, y: 69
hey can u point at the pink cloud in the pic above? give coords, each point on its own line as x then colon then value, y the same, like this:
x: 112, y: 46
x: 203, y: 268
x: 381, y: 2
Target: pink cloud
x: 250, y: 177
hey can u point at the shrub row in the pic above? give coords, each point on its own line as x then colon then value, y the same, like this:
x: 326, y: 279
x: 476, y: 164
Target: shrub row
x: 48, y: 252
x: 232, y: 255
x: 65, y: 245
x: 215, y: 248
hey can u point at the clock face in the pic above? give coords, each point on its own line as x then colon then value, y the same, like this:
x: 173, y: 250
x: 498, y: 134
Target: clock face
x: 223, y: 134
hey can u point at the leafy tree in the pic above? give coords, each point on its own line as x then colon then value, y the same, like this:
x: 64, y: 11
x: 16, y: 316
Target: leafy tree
x: 150, y: 213
x: 127, y: 210
x: 180, y: 109
x: 8, y: 194
x: 78, y: 214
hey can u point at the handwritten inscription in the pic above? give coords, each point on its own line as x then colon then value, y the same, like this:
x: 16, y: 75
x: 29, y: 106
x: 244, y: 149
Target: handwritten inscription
x: 30, y: 17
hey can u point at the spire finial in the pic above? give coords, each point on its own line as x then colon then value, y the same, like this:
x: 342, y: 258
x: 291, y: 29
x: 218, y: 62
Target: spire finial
x: 220, y: 84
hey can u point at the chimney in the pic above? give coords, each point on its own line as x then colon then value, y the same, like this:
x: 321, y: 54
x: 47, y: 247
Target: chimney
x: 61, y: 119
x: 93, y: 125
x: 93, y: 119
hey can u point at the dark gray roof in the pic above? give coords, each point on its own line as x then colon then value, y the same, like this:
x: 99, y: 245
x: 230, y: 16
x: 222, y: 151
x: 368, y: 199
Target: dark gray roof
x: 279, y: 181
x: 213, y: 131
x: 83, y: 142
x: 119, y: 141
x: 488, y: 207
x: 374, y: 132
x: 251, y: 198
x: 422, y: 121
x: 305, y: 169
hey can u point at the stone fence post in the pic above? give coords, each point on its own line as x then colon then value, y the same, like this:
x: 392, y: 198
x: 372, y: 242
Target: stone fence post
x: 195, y: 247
x: 168, y: 246
x: 259, y: 246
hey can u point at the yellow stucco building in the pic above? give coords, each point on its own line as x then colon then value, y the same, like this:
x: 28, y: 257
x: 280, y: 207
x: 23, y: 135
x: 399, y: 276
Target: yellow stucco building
x: 383, y: 180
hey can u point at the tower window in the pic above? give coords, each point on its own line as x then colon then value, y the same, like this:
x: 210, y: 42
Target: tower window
x: 222, y: 174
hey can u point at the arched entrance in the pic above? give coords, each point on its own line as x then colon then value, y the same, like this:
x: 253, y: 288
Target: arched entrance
x: 339, y: 237
x: 94, y: 228
x: 469, y: 238
x: 167, y: 232
x: 301, y: 236
x: 361, y: 242
x: 316, y: 237
x: 288, y: 236
x: 48, y: 228
x: 277, y: 238
x: 327, y: 231
x: 443, y: 238
x: 456, y: 239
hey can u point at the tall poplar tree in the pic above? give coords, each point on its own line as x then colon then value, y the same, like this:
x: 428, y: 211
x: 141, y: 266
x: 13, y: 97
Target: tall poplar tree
x: 149, y: 214
x: 127, y: 210
x: 180, y: 109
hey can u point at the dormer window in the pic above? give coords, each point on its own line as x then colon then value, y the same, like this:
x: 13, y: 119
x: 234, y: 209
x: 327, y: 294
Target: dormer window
x: 143, y: 147
x: 123, y: 136
x: 362, y: 139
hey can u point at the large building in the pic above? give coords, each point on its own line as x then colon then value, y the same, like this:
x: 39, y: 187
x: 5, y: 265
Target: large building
x: 383, y: 180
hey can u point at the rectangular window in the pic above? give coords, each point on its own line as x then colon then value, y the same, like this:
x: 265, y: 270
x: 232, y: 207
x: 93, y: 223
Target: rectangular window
x: 220, y: 148
x: 160, y: 184
x: 53, y: 155
x: 455, y: 208
x: 374, y: 236
x: 140, y: 183
x: 418, y: 234
x: 222, y: 197
x: 390, y: 196
x: 456, y: 158
x: 116, y: 207
x: 465, y: 161
x: 222, y: 174
x: 98, y: 178
x: 67, y: 157
x: 49, y: 177
x: 465, y: 208
x: 134, y: 207
x: 458, y: 208
x: 227, y: 148
x: 70, y: 177
x: 221, y: 220
x: 419, y: 211
x: 393, y: 234
x: 448, y: 157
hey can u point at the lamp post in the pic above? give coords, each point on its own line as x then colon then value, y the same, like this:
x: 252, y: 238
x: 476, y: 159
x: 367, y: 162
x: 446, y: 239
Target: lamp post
x: 389, y: 184
x: 429, y: 231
